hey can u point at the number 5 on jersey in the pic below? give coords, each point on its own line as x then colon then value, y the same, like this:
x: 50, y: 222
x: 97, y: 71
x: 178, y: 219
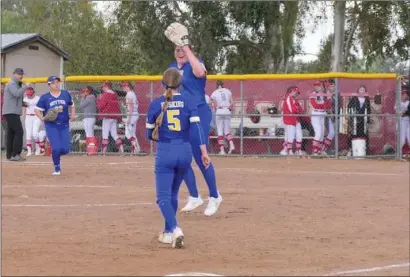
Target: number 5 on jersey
x: 174, y: 124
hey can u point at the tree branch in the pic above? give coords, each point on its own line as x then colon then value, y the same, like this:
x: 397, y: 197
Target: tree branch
x: 246, y: 42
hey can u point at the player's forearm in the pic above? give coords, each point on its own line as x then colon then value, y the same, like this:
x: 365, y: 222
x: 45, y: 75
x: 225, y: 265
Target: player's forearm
x: 39, y: 114
x: 197, y: 66
x: 72, y: 111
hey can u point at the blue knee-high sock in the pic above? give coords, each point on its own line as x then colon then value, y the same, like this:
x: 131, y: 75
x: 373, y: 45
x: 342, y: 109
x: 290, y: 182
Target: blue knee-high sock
x: 169, y: 215
x: 56, y: 159
x: 174, y: 203
x: 190, y: 182
x: 209, y: 175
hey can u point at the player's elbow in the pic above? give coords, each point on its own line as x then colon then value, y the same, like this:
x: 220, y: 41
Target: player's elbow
x: 200, y: 73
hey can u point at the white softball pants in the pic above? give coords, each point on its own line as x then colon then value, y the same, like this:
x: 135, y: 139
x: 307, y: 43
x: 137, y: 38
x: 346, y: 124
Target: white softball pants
x: 32, y: 124
x: 109, y: 127
x: 318, y: 123
x: 404, y: 130
x: 131, y: 129
x: 42, y: 136
x: 293, y: 133
x: 223, y: 124
x: 89, y: 127
x: 331, y: 129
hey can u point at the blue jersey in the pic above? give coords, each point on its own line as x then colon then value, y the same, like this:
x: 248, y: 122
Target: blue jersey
x: 191, y: 86
x: 48, y: 101
x: 181, y: 115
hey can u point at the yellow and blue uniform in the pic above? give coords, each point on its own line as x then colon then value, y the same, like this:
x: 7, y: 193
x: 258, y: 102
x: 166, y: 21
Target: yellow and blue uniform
x: 193, y: 88
x: 58, y: 131
x: 174, y: 154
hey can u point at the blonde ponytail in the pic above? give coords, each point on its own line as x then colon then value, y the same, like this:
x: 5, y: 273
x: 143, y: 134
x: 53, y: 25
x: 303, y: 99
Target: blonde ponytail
x: 171, y: 80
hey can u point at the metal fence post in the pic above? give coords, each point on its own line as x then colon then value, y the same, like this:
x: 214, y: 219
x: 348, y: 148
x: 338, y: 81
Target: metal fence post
x: 337, y: 119
x: 398, y: 117
x: 242, y: 111
x: 151, y: 94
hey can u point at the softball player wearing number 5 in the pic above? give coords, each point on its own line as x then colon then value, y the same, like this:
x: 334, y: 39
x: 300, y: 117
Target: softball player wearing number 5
x: 193, y: 83
x: 171, y: 120
x: 222, y: 99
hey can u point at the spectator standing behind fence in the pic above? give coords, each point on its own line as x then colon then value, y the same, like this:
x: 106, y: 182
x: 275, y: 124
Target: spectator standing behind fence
x: 88, y: 107
x: 404, y: 111
x: 358, y: 110
x: 320, y: 104
x: 109, y: 108
x: 32, y: 122
x: 12, y: 110
x: 222, y: 99
x: 132, y: 117
x: 331, y: 119
x: 291, y: 109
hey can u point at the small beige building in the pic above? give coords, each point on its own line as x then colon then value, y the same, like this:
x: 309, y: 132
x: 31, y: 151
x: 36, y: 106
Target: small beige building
x: 38, y: 57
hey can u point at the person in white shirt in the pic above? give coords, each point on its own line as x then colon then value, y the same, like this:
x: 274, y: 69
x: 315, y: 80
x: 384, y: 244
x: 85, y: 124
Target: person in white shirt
x: 32, y: 122
x: 222, y: 101
x: 132, y: 117
x: 404, y: 119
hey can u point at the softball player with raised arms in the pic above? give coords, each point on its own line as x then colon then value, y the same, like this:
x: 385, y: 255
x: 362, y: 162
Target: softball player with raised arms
x: 32, y: 122
x: 171, y: 120
x: 58, y: 130
x: 193, y: 83
x: 222, y: 99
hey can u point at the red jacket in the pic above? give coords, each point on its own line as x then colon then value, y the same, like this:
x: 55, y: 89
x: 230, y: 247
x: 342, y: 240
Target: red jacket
x: 320, y: 104
x: 109, y: 104
x: 290, y: 110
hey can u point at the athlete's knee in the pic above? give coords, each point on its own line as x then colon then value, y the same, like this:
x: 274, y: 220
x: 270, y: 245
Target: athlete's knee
x: 55, y: 152
x: 64, y: 151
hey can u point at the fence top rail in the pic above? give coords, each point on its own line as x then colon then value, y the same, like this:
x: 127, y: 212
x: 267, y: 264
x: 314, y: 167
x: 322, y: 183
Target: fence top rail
x: 250, y: 77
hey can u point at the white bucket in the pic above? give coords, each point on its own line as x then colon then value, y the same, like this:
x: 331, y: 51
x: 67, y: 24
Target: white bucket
x: 358, y: 147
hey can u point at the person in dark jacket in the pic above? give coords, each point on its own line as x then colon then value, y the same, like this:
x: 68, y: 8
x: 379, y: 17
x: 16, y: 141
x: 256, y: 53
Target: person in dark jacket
x: 359, y: 110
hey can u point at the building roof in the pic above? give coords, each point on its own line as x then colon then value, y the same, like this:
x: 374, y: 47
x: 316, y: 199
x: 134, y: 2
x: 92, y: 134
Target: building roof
x: 10, y: 41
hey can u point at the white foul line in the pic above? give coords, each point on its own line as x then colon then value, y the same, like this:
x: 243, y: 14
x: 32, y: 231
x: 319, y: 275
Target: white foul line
x: 224, y: 169
x: 76, y: 205
x: 372, y: 269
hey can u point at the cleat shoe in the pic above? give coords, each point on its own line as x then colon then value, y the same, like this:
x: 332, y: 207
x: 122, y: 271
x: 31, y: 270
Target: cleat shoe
x: 177, y: 238
x: 284, y: 152
x: 213, y: 205
x: 165, y: 238
x: 193, y: 203
x: 56, y: 173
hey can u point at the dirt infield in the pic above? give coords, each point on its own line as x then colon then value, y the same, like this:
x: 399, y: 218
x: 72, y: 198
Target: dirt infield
x: 279, y: 217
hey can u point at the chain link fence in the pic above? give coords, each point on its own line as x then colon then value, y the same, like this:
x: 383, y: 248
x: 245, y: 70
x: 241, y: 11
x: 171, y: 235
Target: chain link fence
x: 367, y: 122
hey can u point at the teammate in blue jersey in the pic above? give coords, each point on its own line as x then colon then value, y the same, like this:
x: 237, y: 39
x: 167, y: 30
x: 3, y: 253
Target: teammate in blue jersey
x: 193, y: 73
x: 58, y: 131
x: 171, y: 119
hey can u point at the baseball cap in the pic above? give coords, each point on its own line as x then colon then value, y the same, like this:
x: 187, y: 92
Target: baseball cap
x: 52, y: 79
x: 18, y: 71
x: 318, y: 83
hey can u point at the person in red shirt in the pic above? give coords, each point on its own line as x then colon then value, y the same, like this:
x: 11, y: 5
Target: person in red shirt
x: 291, y: 109
x: 109, y: 109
